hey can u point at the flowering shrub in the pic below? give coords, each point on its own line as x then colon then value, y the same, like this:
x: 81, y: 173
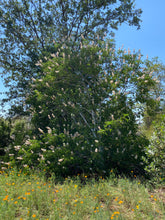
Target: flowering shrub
x: 84, y: 110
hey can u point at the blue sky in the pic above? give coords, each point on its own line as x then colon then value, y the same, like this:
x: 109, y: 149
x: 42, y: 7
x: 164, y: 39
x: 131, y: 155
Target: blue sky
x: 150, y: 38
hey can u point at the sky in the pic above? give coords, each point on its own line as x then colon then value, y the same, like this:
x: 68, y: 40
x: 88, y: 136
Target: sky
x: 150, y: 39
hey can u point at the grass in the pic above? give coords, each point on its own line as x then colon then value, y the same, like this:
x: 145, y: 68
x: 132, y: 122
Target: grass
x: 26, y: 197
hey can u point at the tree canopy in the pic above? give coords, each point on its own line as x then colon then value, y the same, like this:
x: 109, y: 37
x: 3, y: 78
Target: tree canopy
x: 29, y: 28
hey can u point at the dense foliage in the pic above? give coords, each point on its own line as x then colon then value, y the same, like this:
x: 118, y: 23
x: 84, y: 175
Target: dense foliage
x: 5, y: 140
x: 84, y: 110
x: 156, y: 150
x: 29, y: 28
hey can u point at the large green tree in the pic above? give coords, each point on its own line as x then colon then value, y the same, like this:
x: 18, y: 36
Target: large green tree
x: 84, y: 110
x: 28, y: 30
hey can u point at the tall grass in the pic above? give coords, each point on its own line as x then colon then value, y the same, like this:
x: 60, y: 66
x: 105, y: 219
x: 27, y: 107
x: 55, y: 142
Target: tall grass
x: 26, y: 196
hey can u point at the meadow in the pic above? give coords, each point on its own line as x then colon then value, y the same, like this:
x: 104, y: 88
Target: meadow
x: 28, y: 196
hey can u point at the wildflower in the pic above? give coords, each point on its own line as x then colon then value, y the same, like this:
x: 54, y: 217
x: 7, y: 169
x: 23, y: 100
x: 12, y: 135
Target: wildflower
x: 15, y: 202
x: 6, y: 197
x: 116, y: 213
x: 137, y: 207
x: 81, y: 202
x: 107, y: 194
x: 33, y: 215
x: 74, y: 213
x: 120, y: 202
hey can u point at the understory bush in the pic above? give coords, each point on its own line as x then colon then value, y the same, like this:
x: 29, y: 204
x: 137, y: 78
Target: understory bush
x: 14, y: 133
x: 156, y: 150
x: 5, y: 140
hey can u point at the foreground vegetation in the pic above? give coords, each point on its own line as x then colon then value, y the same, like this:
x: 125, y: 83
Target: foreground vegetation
x: 31, y: 196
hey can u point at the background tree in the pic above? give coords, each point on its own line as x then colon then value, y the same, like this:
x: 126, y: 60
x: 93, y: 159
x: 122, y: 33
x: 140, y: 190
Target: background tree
x: 154, y: 114
x: 28, y: 29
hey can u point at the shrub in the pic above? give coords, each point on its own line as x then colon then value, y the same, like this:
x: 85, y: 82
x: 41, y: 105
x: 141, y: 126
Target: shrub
x: 18, y: 132
x: 123, y: 146
x: 84, y: 108
x: 5, y: 140
x: 156, y: 150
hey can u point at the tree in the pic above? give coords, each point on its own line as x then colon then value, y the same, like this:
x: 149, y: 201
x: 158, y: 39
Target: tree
x: 84, y: 110
x: 155, y: 112
x: 28, y: 29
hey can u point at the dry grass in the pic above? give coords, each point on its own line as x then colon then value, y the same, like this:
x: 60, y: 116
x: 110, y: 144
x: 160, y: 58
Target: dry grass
x: 26, y: 197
